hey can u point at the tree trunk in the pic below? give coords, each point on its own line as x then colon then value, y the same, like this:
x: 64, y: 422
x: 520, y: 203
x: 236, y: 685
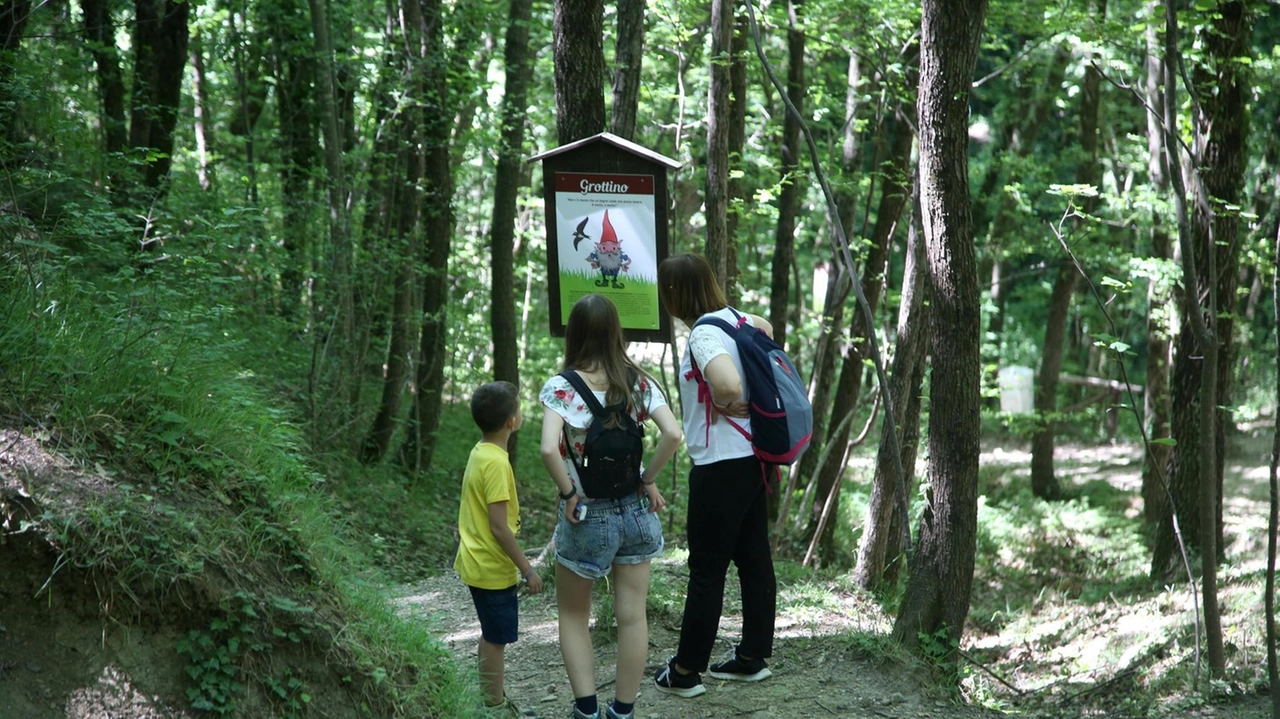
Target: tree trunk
x: 200, y: 112
x: 1222, y: 84
x: 784, y: 240
x: 579, y: 69
x: 1273, y: 516
x: 99, y: 33
x: 438, y: 226
x: 294, y: 75
x: 894, y: 194
x: 737, y: 141
x: 337, y: 307
x: 936, y: 602
x: 1043, y: 482
x: 408, y: 126
x: 1018, y: 139
x: 407, y: 241
x: 13, y: 20
x: 626, y: 72
x: 250, y: 99
x: 1156, y: 409
x: 160, y: 60
x: 1208, y: 245
x: 718, y: 121
x: 881, y: 546
x: 385, y: 171
x: 506, y: 188
x: 839, y: 284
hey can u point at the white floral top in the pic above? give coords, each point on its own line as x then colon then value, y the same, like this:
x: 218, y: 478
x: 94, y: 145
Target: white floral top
x: 560, y: 397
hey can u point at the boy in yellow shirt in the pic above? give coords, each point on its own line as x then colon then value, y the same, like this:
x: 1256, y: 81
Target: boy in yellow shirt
x: 490, y: 561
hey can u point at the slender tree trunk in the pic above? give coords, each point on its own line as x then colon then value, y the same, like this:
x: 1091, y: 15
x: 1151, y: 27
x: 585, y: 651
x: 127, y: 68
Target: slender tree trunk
x: 160, y: 60
x: 880, y: 539
x: 295, y: 105
x: 506, y: 189
x: 579, y: 69
x: 1222, y: 85
x: 1273, y: 516
x: 1156, y: 409
x: 784, y: 240
x: 716, y: 248
x: 438, y: 225
x: 146, y: 26
x: 1018, y: 138
x: 200, y: 111
x: 838, y: 285
x: 338, y: 307
x: 407, y: 241
x: 408, y: 127
x: 385, y: 171
x: 1043, y: 482
x: 99, y: 33
x: 893, y: 198
x: 13, y: 20
x: 1207, y: 242
x: 626, y: 72
x: 737, y: 141
x: 250, y: 91
x: 936, y: 602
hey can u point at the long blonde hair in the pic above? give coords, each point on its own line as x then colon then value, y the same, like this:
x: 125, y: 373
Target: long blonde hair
x: 593, y: 340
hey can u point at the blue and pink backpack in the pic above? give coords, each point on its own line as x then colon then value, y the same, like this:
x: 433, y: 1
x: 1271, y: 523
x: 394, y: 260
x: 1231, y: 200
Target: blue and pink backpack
x: 778, y: 401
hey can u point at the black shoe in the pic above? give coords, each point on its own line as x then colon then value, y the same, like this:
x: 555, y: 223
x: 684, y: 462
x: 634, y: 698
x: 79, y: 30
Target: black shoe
x: 682, y: 685
x: 741, y: 670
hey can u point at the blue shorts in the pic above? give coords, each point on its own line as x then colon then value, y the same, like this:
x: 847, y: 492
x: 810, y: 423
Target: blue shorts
x: 499, y: 613
x: 616, y: 531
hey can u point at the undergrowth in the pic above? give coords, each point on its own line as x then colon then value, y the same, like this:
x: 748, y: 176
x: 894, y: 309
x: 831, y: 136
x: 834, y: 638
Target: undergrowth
x: 210, y: 509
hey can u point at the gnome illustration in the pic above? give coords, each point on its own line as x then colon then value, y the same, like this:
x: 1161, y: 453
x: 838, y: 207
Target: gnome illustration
x: 608, y: 257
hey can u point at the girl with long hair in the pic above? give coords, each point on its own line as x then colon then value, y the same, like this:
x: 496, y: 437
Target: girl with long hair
x: 619, y: 535
x: 728, y: 511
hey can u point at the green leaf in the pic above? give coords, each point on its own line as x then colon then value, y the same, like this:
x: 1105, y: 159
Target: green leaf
x: 1165, y: 442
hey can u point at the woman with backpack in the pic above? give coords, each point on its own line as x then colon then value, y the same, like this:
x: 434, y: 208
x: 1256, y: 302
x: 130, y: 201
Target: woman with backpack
x: 728, y: 513
x: 592, y: 439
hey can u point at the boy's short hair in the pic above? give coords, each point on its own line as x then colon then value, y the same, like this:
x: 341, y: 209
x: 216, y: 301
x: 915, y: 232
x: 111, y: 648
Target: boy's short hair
x: 493, y: 404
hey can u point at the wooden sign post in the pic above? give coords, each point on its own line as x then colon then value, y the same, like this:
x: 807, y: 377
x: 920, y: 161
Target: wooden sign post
x: 606, y: 203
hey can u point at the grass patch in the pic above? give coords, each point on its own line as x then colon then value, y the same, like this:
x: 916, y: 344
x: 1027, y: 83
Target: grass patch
x: 207, y: 513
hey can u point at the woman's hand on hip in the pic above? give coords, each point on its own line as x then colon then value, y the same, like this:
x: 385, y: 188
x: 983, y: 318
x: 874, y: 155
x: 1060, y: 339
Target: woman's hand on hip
x: 736, y: 409
x: 656, y: 502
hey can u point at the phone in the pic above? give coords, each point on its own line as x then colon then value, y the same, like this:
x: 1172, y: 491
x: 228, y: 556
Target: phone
x: 580, y: 511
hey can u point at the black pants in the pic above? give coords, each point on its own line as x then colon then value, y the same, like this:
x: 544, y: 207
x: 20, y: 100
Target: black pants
x: 728, y: 520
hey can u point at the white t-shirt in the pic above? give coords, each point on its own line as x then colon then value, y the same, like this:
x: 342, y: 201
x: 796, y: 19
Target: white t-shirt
x: 719, y: 441
x: 560, y: 397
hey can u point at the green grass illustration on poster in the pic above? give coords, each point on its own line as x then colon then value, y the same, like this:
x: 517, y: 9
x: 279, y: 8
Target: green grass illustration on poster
x: 606, y: 244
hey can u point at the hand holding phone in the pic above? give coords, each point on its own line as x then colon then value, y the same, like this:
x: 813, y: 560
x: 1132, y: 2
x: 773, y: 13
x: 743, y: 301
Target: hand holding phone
x: 580, y: 511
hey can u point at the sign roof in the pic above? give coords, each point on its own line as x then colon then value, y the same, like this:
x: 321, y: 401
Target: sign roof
x: 616, y: 141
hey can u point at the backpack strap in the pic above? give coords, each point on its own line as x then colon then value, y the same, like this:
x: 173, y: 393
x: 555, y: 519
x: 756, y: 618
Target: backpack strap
x: 704, y: 389
x: 588, y: 397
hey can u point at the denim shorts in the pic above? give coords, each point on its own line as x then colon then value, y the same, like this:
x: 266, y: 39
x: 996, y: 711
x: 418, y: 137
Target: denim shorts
x: 616, y: 531
x: 499, y: 613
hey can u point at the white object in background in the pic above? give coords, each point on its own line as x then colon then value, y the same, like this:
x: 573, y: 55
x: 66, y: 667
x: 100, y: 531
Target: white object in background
x: 1017, y: 390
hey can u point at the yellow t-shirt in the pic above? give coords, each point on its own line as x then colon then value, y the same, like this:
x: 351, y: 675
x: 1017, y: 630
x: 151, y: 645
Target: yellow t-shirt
x: 481, y: 561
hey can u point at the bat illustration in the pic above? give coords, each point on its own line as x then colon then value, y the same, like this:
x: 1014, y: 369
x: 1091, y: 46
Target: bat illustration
x: 578, y: 234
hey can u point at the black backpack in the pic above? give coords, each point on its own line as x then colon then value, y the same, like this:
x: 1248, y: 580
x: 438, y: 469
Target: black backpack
x: 610, y: 462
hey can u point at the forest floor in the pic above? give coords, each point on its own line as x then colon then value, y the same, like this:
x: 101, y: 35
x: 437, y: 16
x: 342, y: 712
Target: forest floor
x: 832, y: 658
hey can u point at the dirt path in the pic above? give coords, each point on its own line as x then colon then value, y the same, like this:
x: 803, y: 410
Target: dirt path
x: 817, y: 670
x: 820, y: 669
